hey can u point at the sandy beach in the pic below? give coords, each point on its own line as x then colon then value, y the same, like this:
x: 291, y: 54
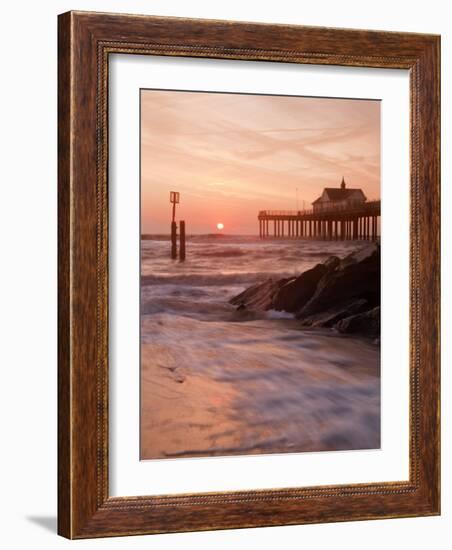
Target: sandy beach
x: 217, y: 381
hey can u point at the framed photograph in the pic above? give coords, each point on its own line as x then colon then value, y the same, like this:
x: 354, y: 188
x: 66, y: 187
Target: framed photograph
x: 248, y: 275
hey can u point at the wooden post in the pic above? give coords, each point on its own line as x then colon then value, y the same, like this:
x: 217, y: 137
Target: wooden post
x: 173, y: 240
x: 174, y: 199
x: 182, y: 241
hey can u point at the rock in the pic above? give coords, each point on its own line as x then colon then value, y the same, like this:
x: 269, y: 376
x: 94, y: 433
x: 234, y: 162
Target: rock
x: 342, y: 294
x: 357, y: 277
x: 293, y: 295
x: 332, y: 315
x: 288, y: 294
x: 366, y: 324
x: 259, y: 297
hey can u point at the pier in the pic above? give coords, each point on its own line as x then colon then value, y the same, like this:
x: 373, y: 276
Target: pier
x: 339, y: 222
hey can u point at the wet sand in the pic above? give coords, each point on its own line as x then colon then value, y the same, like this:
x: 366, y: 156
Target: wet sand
x: 254, y: 386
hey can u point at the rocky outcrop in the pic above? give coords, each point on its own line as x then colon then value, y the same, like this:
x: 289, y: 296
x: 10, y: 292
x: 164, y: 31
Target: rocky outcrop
x: 342, y: 294
x: 295, y: 293
x: 367, y: 323
x: 259, y: 297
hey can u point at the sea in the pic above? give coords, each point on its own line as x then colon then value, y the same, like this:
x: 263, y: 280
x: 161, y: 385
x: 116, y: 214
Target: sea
x: 222, y: 381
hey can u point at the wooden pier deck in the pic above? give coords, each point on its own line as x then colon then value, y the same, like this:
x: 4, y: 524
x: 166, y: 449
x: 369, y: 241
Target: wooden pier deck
x: 339, y: 223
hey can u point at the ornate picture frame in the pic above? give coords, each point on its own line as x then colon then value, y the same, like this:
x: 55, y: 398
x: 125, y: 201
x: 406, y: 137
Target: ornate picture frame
x: 86, y: 40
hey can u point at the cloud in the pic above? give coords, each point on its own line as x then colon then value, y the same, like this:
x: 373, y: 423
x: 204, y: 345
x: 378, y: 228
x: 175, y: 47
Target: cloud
x: 243, y: 153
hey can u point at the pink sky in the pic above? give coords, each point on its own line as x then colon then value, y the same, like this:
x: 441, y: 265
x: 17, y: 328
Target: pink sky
x: 231, y: 155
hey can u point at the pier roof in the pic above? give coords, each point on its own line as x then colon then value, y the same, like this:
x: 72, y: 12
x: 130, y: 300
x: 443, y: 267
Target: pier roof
x: 338, y: 194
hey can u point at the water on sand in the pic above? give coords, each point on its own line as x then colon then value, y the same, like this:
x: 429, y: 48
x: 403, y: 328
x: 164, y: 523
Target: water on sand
x: 216, y: 381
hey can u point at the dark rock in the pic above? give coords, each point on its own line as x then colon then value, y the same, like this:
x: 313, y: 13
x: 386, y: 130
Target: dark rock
x: 294, y: 294
x: 288, y: 294
x: 332, y: 315
x: 367, y: 324
x: 259, y: 297
x: 357, y: 277
x: 344, y: 294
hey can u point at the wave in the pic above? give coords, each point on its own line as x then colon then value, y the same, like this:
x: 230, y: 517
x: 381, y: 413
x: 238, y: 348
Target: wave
x: 180, y: 306
x: 224, y: 253
x: 213, y: 279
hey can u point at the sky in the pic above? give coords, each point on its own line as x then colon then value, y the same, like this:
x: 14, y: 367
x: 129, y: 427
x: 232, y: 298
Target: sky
x: 231, y: 155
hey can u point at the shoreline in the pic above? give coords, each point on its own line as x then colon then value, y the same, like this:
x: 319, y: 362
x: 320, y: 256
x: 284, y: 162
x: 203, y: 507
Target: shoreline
x: 218, y: 380
x: 226, y: 400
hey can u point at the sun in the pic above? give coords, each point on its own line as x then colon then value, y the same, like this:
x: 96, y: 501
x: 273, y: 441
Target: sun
x: 220, y: 226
